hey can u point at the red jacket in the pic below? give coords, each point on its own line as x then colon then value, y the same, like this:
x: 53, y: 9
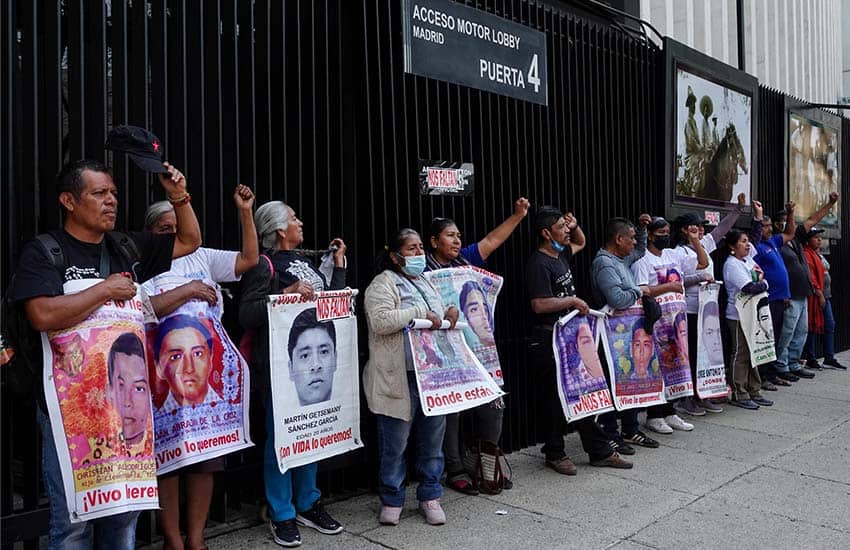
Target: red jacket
x: 817, y: 273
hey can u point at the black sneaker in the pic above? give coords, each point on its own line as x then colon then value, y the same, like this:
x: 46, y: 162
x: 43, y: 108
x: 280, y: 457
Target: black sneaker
x: 834, y: 364
x: 761, y: 401
x: 619, y: 446
x: 788, y: 377
x: 285, y: 532
x: 318, y: 519
x: 813, y: 364
x: 803, y: 373
x: 640, y: 438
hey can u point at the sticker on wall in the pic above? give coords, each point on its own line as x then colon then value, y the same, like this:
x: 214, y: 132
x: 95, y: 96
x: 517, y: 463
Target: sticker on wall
x: 438, y: 177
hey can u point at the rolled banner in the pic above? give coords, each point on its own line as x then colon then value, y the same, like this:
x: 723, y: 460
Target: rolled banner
x: 425, y: 324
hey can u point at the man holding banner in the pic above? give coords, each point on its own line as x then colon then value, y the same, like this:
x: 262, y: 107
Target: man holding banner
x: 614, y: 286
x: 552, y: 293
x: 82, y: 308
x: 662, y: 269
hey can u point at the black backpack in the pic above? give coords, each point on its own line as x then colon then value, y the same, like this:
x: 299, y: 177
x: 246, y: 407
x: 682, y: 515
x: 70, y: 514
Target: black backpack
x: 17, y: 333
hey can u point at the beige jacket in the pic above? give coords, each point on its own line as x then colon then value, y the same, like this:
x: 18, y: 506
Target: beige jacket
x: 385, y: 376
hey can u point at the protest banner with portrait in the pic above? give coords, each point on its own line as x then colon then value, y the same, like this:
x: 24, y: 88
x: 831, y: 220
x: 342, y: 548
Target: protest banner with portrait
x: 582, y: 387
x: 475, y: 291
x: 757, y: 324
x: 711, y: 371
x: 98, y: 398
x: 449, y: 376
x: 200, y: 383
x: 671, y: 344
x: 314, y: 376
x: 636, y: 379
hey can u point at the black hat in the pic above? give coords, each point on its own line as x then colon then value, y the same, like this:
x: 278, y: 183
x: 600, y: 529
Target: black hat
x: 143, y: 147
x: 804, y: 235
x: 689, y: 218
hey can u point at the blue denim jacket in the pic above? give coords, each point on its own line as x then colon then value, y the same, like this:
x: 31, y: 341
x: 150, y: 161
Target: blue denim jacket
x: 612, y: 281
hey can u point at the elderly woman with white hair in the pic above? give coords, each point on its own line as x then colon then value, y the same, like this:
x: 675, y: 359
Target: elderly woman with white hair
x: 194, y: 277
x: 293, y: 497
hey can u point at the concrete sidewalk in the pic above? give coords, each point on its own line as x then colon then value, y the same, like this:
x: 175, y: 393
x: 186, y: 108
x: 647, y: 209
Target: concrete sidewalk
x: 773, y: 478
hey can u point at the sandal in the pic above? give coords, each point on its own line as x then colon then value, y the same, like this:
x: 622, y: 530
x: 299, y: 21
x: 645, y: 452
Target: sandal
x: 462, y: 483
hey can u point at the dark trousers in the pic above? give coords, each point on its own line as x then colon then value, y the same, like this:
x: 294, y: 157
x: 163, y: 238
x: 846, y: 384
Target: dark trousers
x: 660, y: 411
x: 593, y: 439
x: 777, y: 317
x: 628, y: 422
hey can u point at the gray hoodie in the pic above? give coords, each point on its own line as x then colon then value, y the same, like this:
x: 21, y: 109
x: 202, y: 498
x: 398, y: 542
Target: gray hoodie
x: 612, y: 281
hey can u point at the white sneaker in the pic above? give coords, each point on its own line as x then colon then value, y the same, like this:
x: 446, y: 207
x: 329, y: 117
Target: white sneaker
x: 658, y: 425
x: 677, y: 423
x: 433, y: 512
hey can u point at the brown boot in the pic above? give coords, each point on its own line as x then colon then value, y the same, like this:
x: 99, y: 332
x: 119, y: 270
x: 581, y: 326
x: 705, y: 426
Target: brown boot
x: 613, y: 461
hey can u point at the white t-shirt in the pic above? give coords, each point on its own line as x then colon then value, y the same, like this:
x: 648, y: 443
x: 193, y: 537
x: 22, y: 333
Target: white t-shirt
x: 692, y: 292
x: 207, y: 265
x: 736, y: 275
x: 670, y: 266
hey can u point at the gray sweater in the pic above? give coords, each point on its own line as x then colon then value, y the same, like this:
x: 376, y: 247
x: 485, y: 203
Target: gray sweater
x: 612, y: 281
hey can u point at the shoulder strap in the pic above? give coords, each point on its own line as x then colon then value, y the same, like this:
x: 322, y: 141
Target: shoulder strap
x: 125, y: 245
x: 54, y: 251
x: 268, y: 261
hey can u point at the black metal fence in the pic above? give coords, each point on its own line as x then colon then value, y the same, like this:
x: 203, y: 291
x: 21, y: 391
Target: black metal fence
x: 306, y: 101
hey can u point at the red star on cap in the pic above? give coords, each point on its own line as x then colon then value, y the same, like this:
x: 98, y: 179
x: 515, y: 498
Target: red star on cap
x: 155, y: 146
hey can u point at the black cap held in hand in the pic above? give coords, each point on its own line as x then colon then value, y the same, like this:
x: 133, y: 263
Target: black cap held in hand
x: 143, y: 147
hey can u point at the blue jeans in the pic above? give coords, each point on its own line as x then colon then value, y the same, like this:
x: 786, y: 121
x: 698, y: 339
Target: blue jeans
x: 294, y: 491
x: 795, y: 328
x: 393, y: 436
x: 117, y: 531
x: 828, y: 335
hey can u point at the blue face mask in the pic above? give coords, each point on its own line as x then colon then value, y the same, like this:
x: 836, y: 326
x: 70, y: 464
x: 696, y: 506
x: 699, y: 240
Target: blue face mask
x: 557, y: 246
x: 414, y: 265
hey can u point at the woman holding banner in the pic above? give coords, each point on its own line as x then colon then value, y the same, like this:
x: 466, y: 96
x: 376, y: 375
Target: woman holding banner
x: 189, y: 279
x: 396, y: 296
x: 695, y: 406
x: 293, y: 497
x: 742, y: 274
x: 445, y: 240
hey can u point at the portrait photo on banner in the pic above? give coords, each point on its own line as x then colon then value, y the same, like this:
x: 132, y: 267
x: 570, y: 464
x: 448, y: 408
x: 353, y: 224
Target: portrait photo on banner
x: 475, y: 291
x: 198, y: 380
x: 581, y: 378
x: 632, y: 359
x: 314, y: 377
x: 814, y: 165
x: 97, y: 392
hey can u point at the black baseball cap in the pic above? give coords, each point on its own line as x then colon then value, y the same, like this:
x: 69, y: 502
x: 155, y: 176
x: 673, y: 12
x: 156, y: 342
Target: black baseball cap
x: 141, y: 145
x: 804, y: 235
x: 689, y: 218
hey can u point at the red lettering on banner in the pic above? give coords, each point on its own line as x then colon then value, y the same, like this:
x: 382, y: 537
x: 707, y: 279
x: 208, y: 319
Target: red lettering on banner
x: 333, y: 307
x: 444, y: 179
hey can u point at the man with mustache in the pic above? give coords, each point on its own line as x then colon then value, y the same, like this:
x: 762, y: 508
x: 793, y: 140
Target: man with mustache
x: 86, y: 247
